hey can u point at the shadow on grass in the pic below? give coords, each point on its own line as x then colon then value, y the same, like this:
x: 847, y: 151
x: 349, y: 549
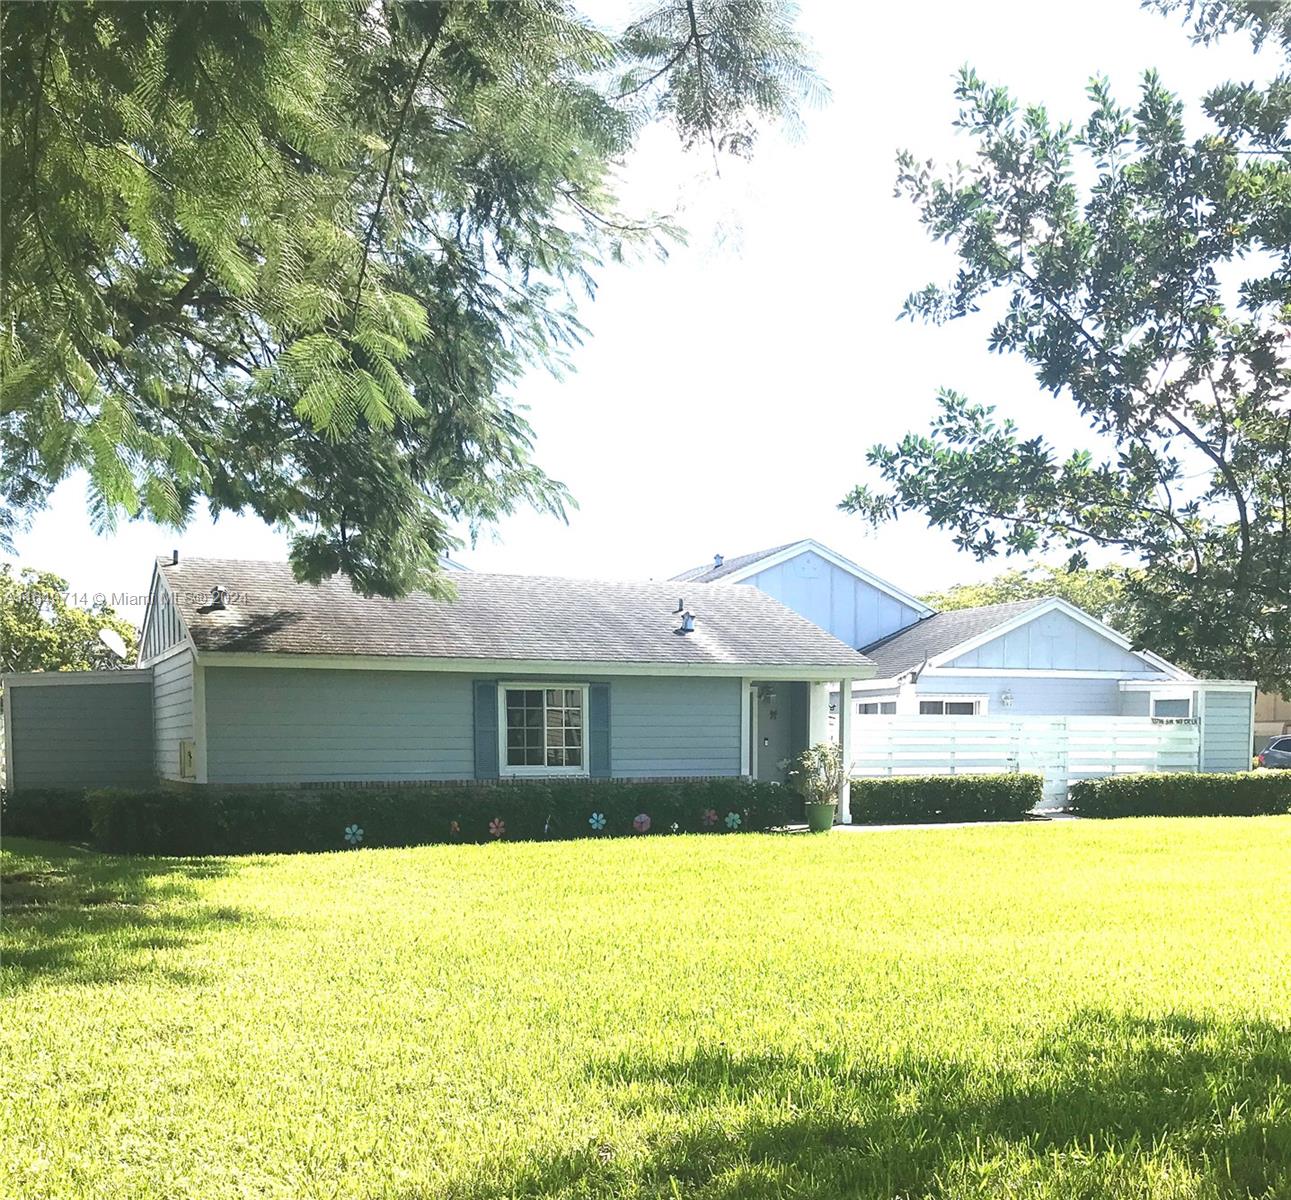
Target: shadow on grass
x: 1108, y: 1105
x: 79, y: 917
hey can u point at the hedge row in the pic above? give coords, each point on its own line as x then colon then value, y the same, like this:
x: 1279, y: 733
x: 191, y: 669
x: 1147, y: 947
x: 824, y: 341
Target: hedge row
x: 268, y: 820
x: 1241, y: 794
x: 945, y: 798
x: 55, y: 814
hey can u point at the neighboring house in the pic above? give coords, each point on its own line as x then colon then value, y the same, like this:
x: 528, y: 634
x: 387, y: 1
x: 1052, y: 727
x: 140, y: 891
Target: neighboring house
x: 248, y: 677
x: 1031, y: 658
x: 1272, y: 715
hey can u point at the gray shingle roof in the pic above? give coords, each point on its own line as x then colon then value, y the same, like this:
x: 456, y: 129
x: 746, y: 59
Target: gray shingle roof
x: 907, y: 649
x: 512, y: 617
x: 709, y: 573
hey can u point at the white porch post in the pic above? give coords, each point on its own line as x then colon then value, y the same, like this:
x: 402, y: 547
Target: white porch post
x: 845, y: 746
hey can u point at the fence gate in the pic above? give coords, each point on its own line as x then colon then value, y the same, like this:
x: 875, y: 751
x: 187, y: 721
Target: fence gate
x: 1062, y: 749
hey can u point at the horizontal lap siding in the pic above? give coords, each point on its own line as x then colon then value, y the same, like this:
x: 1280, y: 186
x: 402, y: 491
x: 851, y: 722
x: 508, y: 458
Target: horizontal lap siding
x: 283, y: 725
x: 1226, y: 731
x: 664, y: 726
x: 80, y: 735
x: 1040, y: 697
x: 172, y: 711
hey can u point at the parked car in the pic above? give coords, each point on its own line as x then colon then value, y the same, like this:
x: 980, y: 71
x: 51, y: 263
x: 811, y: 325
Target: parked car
x: 1276, y: 754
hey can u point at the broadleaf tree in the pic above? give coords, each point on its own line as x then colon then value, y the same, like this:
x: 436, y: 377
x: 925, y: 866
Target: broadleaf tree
x: 293, y: 258
x: 1099, y: 591
x: 1145, y: 274
x: 44, y: 628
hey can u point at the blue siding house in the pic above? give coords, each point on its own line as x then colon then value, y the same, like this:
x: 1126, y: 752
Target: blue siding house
x: 246, y: 676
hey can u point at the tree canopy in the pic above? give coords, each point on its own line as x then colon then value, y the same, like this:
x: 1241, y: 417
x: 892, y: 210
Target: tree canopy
x: 1099, y: 591
x: 1145, y: 274
x: 292, y: 258
x: 42, y: 629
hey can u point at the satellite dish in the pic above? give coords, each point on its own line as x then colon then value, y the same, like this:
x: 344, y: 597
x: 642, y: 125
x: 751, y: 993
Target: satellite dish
x: 113, y: 641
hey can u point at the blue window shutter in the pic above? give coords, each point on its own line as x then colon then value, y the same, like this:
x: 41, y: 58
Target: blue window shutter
x: 598, y: 730
x: 486, y: 729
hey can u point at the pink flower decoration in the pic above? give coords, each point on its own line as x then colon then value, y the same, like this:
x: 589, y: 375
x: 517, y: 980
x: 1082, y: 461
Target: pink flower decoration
x: 710, y: 816
x: 641, y: 823
x: 454, y: 827
x: 497, y: 827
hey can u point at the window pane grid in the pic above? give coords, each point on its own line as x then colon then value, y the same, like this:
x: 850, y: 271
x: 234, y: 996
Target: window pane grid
x: 544, y: 727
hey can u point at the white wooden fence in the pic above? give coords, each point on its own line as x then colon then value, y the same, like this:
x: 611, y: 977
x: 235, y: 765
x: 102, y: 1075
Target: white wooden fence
x: 1062, y: 749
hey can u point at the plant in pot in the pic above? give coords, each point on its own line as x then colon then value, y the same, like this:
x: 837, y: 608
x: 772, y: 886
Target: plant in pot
x: 817, y: 773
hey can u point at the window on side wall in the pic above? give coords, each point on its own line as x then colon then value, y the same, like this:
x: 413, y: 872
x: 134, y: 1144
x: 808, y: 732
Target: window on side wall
x: 1171, y: 706
x: 950, y: 708
x: 876, y: 708
x: 543, y: 729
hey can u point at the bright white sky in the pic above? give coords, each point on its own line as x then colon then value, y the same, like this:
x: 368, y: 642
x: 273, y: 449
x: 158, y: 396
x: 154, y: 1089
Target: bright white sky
x: 725, y: 398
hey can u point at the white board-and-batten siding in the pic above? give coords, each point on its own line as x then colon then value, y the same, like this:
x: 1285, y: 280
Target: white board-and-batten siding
x: 1055, y: 641
x: 852, y: 610
x: 287, y: 725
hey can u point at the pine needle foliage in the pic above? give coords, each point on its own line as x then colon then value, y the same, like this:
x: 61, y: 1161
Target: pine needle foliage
x: 292, y: 258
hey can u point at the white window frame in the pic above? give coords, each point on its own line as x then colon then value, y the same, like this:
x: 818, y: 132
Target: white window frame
x: 980, y: 702
x: 861, y: 706
x: 534, y: 685
x: 1173, y: 694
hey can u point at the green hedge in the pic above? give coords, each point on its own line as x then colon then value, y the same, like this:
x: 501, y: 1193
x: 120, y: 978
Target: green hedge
x: 1240, y: 794
x: 920, y: 798
x: 57, y: 815
x: 267, y: 820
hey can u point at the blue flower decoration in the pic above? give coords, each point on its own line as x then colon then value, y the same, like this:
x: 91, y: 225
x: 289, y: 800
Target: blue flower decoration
x: 597, y: 820
x: 353, y: 834
x: 732, y: 820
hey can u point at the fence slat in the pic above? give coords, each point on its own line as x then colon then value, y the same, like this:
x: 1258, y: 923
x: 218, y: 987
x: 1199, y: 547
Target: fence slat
x: 1059, y: 748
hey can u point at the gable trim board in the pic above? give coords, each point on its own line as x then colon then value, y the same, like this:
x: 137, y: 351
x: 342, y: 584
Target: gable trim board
x: 782, y: 555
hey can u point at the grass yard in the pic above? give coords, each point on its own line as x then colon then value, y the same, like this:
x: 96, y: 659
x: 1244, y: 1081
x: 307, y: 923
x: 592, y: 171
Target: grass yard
x: 1068, y: 1010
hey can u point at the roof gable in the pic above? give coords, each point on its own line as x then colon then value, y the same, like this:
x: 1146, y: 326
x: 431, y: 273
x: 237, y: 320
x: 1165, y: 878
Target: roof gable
x: 1047, y: 634
x: 737, y: 570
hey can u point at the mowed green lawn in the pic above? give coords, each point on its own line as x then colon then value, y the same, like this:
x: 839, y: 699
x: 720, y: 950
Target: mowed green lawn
x: 1059, y: 1010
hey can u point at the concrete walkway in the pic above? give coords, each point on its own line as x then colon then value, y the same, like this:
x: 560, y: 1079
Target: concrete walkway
x: 1038, y: 819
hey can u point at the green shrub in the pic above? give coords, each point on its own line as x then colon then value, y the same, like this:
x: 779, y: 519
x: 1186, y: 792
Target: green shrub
x: 55, y: 814
x: 901, y: 799
x: 217, y: 820
x: 1240, y: 794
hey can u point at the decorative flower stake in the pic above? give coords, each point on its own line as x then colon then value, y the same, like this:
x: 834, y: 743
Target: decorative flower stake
x: 732, y: 820
x: 710, y: 816
x: 641, y: 823
x: 597, y: 821
x: 675, y: 827
x: 497, y: 827
x: 454, y: 827
x: 353, y: 834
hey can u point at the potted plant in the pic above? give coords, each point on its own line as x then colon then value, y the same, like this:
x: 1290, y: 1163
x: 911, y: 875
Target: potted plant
x: 817, y: 773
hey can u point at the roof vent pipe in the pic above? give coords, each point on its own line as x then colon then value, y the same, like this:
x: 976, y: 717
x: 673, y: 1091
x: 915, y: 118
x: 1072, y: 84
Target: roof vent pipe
x: 681, y: 605
x: 717, y: 561
x: 174, y: 558
x: 219, y: 596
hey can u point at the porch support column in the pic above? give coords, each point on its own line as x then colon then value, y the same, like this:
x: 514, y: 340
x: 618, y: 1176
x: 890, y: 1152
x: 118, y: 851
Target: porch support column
x: 845, y: 746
